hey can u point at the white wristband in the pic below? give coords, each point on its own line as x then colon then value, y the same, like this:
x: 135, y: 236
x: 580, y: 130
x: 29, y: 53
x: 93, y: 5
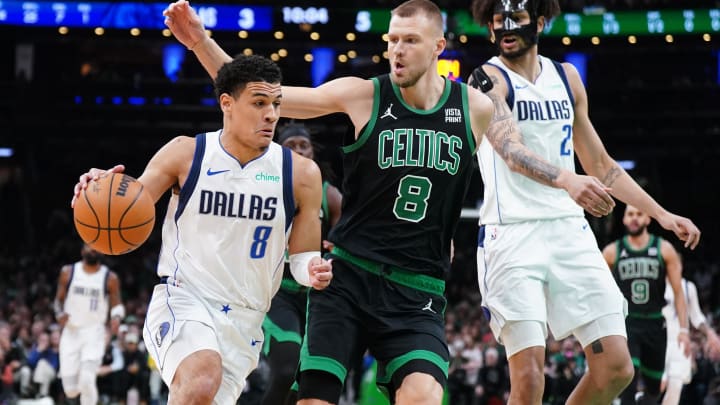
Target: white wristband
x: 118, y: 311
x: 299, y: 266
x: 684, y: 330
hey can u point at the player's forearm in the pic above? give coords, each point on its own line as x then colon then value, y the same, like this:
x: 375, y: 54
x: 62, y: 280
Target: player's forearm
x: 681, y: 311
x: 210, y: 55
x: 625, y: 189
x: 505, y: 137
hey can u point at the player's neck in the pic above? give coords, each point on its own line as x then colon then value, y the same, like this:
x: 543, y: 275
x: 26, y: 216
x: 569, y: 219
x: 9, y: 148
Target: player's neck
x: 241, y: 151
x: 426, y: 93
x: 527, y: 65
x: 90, y: 268
x: 639, y: 241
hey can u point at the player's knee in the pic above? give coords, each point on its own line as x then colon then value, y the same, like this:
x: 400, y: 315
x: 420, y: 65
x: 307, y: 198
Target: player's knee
x: 620, y: 374
x: 531, y: 378
x: 70, y: 386
x: 200, y: 388
x: 419, y: 388
x: 86, y: 383
x: 71, y: 392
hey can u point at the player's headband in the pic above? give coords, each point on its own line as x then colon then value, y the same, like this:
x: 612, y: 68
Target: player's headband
x: 291, y: 130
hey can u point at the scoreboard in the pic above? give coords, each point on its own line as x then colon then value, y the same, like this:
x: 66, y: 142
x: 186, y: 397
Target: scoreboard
x: 227, y: 17
x: 122, y: 15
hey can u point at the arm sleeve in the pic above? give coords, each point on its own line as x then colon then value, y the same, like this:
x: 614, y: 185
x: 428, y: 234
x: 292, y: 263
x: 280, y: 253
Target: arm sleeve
x: 694, y: 312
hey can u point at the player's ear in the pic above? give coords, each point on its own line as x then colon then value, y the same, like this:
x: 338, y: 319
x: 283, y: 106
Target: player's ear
x: 540, y: 24
x: 225, y: 102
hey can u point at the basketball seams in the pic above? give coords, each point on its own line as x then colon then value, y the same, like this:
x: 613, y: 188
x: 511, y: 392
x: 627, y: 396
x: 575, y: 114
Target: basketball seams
x: 97, y: 218
x: 120, y: 221
x: 109, y: 212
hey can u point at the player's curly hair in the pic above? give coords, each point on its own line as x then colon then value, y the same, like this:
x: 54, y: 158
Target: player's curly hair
x: 483, y: 10
x: 235, y: 75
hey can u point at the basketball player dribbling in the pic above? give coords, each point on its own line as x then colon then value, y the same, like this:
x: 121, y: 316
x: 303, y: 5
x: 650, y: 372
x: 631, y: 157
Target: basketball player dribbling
x: 238, y: 202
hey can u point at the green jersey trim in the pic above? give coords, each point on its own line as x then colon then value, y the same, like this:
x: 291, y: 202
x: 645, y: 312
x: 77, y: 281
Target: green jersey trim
x: 401, y: 276
x: 648, y: 372
x: 468, y: 126
x: 321, y: 363
x: 371, y: 123
x: 648, y: 315
x: 289, y: 284
x: 273, y: 331
x: 325, y: 208
x: 629, y: 247
x: 443, y: 98
x: 400, y: 361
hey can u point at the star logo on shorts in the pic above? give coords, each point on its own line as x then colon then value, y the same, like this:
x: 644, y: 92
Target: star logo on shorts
x: 226, y: 309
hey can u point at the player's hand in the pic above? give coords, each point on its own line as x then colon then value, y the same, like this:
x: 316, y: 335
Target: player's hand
x: 62, y: 319
x: 588, y: 192
x: 184, y: 23
x: 92, y: 174
x: 713, y: 346
x: 327, y: 245
x: 320, y: 272
x: 684, y: 228
x: 684, y: 342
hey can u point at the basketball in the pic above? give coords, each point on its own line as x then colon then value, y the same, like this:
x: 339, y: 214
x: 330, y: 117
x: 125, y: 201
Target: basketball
x: 114, y: 215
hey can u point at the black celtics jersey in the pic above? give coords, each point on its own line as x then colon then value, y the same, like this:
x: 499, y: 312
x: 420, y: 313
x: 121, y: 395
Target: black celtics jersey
x: 405, y: 180
x: 640, y: 274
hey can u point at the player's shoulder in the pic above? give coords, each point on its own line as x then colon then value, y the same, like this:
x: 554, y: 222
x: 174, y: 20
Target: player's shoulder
x: 668, y: 251
x: 571, y: 73
x: 611, y: 248
x: 305, y: 169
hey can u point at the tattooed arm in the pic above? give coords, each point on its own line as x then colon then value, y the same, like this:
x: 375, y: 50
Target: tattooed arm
x: 597, y: 162
x: 506, y: 138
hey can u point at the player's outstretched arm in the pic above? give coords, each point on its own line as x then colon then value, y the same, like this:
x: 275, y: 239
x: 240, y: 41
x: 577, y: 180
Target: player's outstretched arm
x: 597, y: 162
x: 168, y: 167
x: 673, y: 266
x: 186, y: 26
x: 306, y: 265
x: 350, y: 95
x: 505, y: 137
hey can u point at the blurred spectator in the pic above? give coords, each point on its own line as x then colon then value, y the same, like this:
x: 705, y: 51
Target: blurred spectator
x: 42, y: 366
x: 493, y: 380
x: 136, y: 374
x: 109, y: 373
x: 13, y: 356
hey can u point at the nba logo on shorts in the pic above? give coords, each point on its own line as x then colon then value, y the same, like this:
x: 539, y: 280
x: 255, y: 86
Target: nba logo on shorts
x: 493, y: 233
x: 161, y: 332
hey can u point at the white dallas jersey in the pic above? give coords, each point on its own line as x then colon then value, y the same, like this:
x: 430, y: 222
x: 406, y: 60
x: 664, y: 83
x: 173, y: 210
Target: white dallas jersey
x: 86, y: 299
x: 695, y: 315
x: 544, y: 111
x: 225, y: 234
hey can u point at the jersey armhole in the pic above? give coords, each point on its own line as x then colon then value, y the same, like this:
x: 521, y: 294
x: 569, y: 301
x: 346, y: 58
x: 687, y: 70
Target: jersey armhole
x: 563, y: 76
x: 192, y: 179
x: 510, y: 99
x: 360, y: 141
